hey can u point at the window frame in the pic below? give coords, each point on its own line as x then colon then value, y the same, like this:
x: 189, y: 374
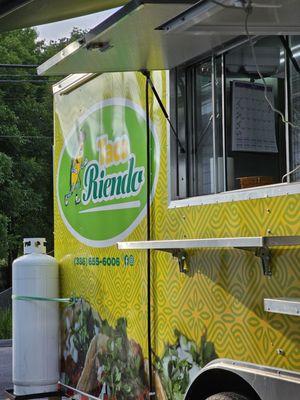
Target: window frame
x: 259, y: 192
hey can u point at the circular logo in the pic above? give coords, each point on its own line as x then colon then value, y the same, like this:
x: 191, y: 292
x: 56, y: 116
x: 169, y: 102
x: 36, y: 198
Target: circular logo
x: 102, y: 172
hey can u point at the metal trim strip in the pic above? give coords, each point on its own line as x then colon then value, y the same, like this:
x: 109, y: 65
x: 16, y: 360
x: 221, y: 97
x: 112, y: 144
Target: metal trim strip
x: 234, y: 242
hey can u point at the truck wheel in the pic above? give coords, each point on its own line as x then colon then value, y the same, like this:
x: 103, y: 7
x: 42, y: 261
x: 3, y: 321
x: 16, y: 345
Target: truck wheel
x: 227, y: 396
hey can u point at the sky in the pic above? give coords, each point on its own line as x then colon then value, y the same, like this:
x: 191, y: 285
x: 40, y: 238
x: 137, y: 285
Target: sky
x: 62, y: 29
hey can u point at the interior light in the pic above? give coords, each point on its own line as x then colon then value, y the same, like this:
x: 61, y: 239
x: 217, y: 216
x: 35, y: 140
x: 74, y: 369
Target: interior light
x: 194, y: 15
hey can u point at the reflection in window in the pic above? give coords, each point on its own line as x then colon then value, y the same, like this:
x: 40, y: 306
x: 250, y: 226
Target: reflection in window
x: 196, y: 168
x: 245, y: 147
x: 257, y: 137
x: 202, y: 146
x: 295, y: 109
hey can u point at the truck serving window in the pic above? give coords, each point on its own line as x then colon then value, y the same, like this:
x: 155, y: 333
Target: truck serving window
x: 233, y: 138
x: 295, y: 109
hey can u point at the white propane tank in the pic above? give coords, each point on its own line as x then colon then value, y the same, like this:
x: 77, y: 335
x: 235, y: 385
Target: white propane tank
x: 35, y: 323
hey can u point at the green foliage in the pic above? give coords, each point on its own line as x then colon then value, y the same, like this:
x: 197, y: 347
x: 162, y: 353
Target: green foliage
x: 4, y: 238
x: 6, y: 169
x: 26, y: 153
x: 119, y: 360
x: 19, y: 47
x: 180, y: 361
x: 122, y: 364
x: 47, y: 50
x: 5, y: 323
x: 26, y: 132
x: 83, y: 331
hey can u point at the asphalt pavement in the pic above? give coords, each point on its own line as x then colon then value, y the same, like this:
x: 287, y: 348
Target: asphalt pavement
x: 5, y: 370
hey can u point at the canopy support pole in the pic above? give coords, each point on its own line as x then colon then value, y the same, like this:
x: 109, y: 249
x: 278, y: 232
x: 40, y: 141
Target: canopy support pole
x: 163, y: 109
x: 149, y: 320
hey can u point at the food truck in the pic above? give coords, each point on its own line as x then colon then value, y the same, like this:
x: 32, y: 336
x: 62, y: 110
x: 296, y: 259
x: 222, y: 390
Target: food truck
x: 177, y: 202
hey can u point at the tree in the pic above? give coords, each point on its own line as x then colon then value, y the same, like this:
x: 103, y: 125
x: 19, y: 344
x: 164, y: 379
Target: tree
x: 26, y: 131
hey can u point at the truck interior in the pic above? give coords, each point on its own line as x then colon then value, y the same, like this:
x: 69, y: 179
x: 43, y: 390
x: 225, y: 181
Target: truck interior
x: 250, y: 136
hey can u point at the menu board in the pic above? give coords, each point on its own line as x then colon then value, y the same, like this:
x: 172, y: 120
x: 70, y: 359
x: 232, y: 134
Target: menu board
x: 253, y: 121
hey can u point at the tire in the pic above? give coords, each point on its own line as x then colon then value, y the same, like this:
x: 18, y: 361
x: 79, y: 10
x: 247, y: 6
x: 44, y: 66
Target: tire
x: 227, y: 396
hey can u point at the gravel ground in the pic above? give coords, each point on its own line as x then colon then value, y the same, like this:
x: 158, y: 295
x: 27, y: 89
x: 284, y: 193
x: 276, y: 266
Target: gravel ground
x: 5, y: 370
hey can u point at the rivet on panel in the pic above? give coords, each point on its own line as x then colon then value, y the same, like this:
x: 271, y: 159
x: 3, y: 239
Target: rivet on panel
x: 280, y: 352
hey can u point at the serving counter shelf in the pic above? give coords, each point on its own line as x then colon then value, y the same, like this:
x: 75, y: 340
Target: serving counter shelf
x: 261, y: 245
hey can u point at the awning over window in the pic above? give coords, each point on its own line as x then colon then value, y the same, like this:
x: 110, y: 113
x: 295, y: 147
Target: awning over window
x: 22, y: 13
x: 130, y: 41
x: 161, y: 35
x: 274, y: 17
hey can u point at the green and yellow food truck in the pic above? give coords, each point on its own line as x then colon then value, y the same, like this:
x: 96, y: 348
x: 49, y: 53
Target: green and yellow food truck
x: 177, y: 202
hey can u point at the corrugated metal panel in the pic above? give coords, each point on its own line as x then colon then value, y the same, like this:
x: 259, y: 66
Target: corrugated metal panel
x: 23, y: 13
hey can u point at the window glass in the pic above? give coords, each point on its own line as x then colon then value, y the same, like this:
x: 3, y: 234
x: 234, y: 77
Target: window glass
x: 178, y: 158
x: 221, y: 165
x: 245, y: 147
x: 206, y: 148
x: 256, y: 146
x: 196, y: 168
x: 295, y: 109
x: 181, y: 88
x: 201, y: 146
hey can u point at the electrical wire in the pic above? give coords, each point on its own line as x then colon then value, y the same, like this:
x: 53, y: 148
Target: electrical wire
x: 29, y: 66
x: 204, y: 131
x: 247, y: 6
x: 25, y: 137
x: 21, y: 76
x: 18, y: 98
x: 290, y: 173
x: 218, y: 3
x: 243, y: 2
x: 27, y: 81
x: 248, y: 9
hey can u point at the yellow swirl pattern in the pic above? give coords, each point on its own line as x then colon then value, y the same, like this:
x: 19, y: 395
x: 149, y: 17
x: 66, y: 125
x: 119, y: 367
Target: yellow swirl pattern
x: 224, y: 291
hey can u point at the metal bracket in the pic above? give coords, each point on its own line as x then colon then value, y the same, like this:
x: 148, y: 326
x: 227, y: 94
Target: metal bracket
x: 181, y: 256
x: 264, y: 254
x: 260, y: 245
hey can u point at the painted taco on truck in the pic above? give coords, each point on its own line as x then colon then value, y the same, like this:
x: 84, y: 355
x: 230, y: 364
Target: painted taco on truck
x: 182, y: 241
